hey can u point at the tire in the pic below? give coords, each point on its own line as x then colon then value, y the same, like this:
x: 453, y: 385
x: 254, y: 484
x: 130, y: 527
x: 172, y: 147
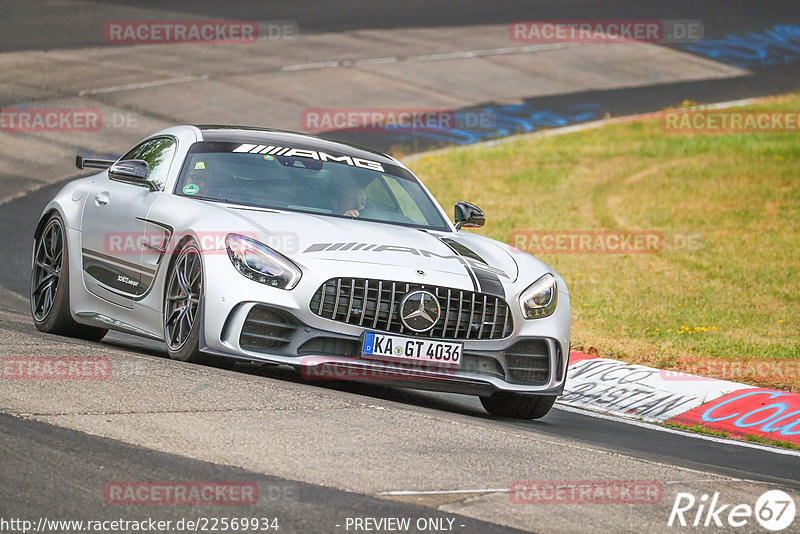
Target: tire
x: 49, y: 294
x: 517, y: 406
x: 183, y: 309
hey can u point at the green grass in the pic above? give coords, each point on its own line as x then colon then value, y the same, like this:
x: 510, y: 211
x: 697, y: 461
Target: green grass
x: 736, y: 299
x: 774, y: 442
x: 700, y: 429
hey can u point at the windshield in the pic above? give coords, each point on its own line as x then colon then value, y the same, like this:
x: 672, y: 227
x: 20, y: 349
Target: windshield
x: 307, y: 181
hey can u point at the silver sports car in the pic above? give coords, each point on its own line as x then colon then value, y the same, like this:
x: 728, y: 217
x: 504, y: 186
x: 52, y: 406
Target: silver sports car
x: 253, y: 244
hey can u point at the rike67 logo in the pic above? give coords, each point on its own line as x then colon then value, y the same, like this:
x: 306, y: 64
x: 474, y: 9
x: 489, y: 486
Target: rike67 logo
x: 774, y: 510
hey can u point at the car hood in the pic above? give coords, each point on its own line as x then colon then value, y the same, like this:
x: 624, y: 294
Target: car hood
x: 308, y: 239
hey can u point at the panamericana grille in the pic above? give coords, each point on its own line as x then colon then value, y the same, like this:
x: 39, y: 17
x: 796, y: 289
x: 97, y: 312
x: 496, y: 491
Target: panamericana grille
x: 375, y: 304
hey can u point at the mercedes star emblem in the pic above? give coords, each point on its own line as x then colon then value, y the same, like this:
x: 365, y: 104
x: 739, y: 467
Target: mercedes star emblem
x: 419, y: 311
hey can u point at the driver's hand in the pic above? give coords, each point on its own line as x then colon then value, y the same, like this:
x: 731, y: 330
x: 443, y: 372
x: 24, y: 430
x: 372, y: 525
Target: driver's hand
x: 351, y: 213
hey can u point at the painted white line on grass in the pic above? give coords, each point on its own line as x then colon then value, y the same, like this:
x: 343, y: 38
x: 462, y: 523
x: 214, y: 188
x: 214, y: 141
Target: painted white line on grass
x: 662, y: 428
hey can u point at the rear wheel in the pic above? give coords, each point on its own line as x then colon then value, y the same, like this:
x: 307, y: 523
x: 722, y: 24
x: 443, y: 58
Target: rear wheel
x: 517, y: 406
x: 183, y: 308
x: 50, y: 285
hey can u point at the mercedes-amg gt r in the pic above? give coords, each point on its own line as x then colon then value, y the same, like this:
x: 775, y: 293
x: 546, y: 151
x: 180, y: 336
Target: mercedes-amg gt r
x: 241, y: 243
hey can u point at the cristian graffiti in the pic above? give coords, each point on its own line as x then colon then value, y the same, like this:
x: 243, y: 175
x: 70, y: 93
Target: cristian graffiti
x: 768, y: 413
x: 505, y: 120
x: 635, y: 390
x: 775, y: 46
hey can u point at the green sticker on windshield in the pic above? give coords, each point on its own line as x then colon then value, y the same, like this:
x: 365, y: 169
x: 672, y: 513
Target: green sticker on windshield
x: 190, y: 189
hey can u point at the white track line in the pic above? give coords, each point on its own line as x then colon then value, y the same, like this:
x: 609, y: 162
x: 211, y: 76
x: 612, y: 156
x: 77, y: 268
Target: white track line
x: 442, y: 492
x: 143, y: 85
x: 402, y: 493
x: 462, y: 54
x: 689, y: 434
x: 26, y: 192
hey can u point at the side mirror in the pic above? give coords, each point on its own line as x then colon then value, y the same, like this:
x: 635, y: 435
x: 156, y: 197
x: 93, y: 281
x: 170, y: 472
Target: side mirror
x: 132, y: 171
x: 468, y: 216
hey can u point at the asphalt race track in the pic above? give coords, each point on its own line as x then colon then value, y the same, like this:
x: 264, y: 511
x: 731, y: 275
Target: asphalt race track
x: 65, y: 28
x: 321, y: 453
x: 78, y: 461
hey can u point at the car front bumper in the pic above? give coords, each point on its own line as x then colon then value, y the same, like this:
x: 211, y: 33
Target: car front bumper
x: 246, y: 320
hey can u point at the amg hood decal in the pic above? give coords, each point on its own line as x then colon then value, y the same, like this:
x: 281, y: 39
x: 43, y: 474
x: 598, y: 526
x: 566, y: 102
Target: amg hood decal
x: 484, y: 277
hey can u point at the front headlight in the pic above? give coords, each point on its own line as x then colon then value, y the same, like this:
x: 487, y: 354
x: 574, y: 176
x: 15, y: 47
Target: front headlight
x: 540, y: 299
x: 260, y: 263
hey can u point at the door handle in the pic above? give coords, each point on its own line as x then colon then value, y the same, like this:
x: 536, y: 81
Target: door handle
x: 101, y: 199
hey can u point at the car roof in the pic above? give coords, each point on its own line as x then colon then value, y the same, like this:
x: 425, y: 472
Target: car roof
x: 267, y: 136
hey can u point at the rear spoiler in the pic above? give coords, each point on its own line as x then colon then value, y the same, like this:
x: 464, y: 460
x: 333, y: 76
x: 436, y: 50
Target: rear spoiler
x: 83, y: 163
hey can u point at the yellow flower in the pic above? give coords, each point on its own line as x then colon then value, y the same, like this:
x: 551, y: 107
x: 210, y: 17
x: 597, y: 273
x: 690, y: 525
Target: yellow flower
x: 780, y: 320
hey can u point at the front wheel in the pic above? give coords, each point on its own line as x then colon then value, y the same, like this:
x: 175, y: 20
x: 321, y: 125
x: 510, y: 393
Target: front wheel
x: 183, y: 308
x: 517, y: 406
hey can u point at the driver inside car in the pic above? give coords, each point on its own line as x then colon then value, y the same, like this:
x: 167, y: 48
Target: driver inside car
x: 349, y: 198
x: 202, y: 177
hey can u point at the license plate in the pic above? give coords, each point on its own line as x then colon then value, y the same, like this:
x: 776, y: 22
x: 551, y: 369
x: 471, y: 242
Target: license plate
x: 386, y: 347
